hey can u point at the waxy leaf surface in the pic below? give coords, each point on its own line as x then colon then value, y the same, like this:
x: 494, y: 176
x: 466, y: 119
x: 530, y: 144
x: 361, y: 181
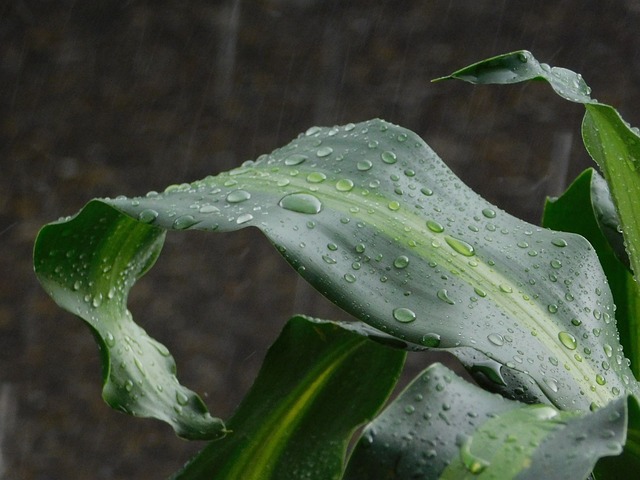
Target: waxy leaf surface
x: 318, y: 383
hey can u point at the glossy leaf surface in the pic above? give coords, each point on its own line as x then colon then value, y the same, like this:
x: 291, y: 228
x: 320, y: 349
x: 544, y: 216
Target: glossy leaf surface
x: 318, y: 383
x: 586, y: 208
x: 442, y: 427
x: 372, y: 218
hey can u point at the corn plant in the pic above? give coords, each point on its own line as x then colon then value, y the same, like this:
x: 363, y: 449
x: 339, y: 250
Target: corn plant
x: 544, y: 318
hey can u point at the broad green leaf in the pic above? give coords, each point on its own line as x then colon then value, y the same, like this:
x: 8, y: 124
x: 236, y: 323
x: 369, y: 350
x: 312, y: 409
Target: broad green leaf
x: 597, y: 221
x: 371, y: 217
x: 611, y: 142
x: 318, y: 383
x: 442, y: 427
x: 88, y: 264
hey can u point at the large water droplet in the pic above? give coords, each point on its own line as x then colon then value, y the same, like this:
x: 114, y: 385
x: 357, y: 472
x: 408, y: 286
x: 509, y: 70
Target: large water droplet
x: 364, y: 165
x: 238, y: 196
x: 344, y: 185
x: 295, y: 159
x: 568, y: 340
x: 489, y: 213
x: 460, y: 246
x: 301, y: 203
x: 401, y: 262
x: 404, y: 315
x: 183, y: 222
x: 147, y: 216
x: 316, y: 177
x: 324, y: 151
x: 434, y: 226
x: 389, y: 157
x: 431, y: 340
x: 444, y: 296
x: 244, y: 218
x: 496, y: 339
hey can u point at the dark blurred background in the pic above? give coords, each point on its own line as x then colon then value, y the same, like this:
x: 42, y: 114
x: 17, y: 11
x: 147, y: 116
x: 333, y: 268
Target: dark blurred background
x: 106, y: 97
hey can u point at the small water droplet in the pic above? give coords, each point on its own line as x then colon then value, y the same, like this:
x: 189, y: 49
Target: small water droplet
x: 350, y: 277
x: 238, y: 196
x: 401, y: 262
x: 552, y: 308
x: 404, y: 315
x: 208, y: 209
x: 184, y: 222
x: 496, y: 339
x: 301, y: 203
x: 559, y: 242
x: 568, y: 340
x: 394, y: 206
x: 600, y: 380
x: 110, y: 340
x: 244, y: 218
x: 443, y: 295
x: 480, y: 292
x: 364, y: 165
x: 505, y: 288
x: 556, y: 264
x: 182, y: 398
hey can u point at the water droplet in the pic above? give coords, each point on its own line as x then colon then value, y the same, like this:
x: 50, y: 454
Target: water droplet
x: 444, y: 296
x: 460, y: 246
x: 608, y: 351
x: 559, y: 242
x: 489, y: 213
x: 316, y: 177
x: 434, y: 226
x: 556, y: 264
x: 505, y: 288
x: 183, y: 222
x: 312, y: 131
x: 182, y: 398
x: 208, y: 209
x: 600, y: 380
x: 401, y: 262
x: 295, y: 159
x: 568, y: 340
x: 110, y: 340
x: 473, y: 463
x: 350, y: 277
x: 496, y: 339
x: 364, y: 165
x: 480, y: 292
x: 404, y: 315
x: 389, y: 157
x: 394, y: 206
x: 344, y: 185
x: 128, y: 385
x: 301, y: 203
x: 147, y: 216
x: 431, y: 340
x: 238, y: 196
x: 244, y: 218
x: 552, y: 308
x: 328, y: 259
x: 324, y: 152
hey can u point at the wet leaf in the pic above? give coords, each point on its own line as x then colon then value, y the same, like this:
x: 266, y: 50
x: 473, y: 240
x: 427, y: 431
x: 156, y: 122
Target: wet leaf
x: 88, y: 265
x: 598, y: 223
x: 318, y: 383
x: 371, y: 217
x: 444, y: 427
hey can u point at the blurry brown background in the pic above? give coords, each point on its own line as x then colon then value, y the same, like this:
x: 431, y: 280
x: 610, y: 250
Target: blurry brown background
x: 105, y: 97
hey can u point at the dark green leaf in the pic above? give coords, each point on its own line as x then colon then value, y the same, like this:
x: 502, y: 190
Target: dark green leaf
x: 88, y: 264
x: 444, y: 427
x: 372, y: 218
x: 318, y: 383
x: 586, y: 208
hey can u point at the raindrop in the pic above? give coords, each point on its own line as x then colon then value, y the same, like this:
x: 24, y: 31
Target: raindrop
x: 389, y: 157
x: 208, y: 209
x: 401, y: 262
x: 505, y: 288
x: 110, y: 340
x: 552, y: 308
x: 568, y: 340
x: 600, y: 380
x: 147, y: 216
x: 364, y: 165
x: 350, y: 277
x: 496, y: 339
x: 434, y: 226
x: 344, y: 185
x: 444, y: 296
x: 404, y: 315
x: 238, y: 196
x: 480, y: 292
x: 394, y: 206
x: 316, y: 177
x: 431, y: 340
x: 463, y: 248
x: 244, y: 218
x: 324, y: 151
x: 182, y: 398
x: 556, y: 264
x: 489, y: 213
x: 184, y: 222
x: 301, y: 203
x: 559, y: 242
x: 295, y: 159
x: 426, y: 191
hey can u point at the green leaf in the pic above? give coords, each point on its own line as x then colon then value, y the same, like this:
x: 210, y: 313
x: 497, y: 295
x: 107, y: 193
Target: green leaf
x: 444, y: 427
x: 597, y: 222
x: 88, y: 264
x: 318, y: 383
x: 371, y: 217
